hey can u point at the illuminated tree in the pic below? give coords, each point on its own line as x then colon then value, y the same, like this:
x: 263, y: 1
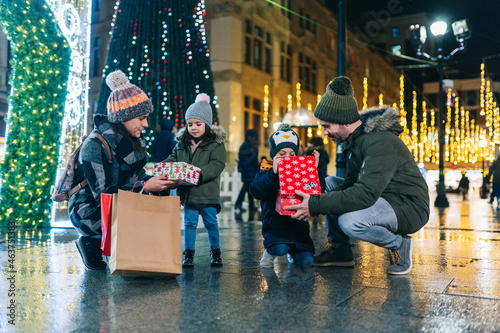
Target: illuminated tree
x: 41, y: 60
x: 161, y: 45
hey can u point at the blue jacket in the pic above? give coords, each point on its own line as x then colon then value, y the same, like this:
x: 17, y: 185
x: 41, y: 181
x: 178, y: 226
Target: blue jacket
x: 276, y: 228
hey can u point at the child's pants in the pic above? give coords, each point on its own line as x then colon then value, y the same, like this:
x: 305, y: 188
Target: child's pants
x: 209, y: 216
x: 303, y: 259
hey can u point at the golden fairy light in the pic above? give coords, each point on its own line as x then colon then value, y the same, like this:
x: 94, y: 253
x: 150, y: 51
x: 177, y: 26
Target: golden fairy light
x: 380, y: 99
x: 414, y: 129
x: 297, y: 95
x: 365, y: 93
x: 266, y: 106
x: 483, y: 84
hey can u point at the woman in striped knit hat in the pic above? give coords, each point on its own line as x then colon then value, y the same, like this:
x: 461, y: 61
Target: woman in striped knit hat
x: 128, y: 109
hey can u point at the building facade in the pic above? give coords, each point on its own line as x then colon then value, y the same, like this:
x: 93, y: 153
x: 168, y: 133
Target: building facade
x: 254, y: 43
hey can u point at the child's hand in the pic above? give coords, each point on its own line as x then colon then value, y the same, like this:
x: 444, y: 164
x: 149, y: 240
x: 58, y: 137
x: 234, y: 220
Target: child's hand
x: 276, y: 162
x: 316, y: 156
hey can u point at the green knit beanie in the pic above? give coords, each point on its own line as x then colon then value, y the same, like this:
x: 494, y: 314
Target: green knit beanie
x: 338, y: 105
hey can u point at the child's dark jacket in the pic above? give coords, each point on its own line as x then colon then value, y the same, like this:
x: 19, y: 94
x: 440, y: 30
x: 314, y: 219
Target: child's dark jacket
x: 276, y: 228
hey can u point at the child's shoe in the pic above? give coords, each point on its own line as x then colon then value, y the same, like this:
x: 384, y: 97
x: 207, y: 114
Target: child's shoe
x: 188, y: 258
x: 216, y: 259
x: 267, y: 260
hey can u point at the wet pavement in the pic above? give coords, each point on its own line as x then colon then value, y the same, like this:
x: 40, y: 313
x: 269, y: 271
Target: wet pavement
x: 454, y: 285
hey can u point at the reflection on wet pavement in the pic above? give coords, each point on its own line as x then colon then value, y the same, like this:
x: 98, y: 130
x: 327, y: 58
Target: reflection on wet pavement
x: 454, y: 285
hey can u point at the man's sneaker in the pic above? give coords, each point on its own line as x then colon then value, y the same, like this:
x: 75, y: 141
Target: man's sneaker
x: 401, y: 259
x: 267, y: 260
x: 216, y: 259
x: 91, y: 253
x: 335, y: 254
x: 188, y: 258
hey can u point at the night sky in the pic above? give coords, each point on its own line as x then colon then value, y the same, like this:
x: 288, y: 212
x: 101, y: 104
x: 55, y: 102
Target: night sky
x: 483, y: 15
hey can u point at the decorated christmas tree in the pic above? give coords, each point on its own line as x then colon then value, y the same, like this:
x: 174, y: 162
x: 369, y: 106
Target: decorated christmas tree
x: 161, y: 45
x: 41, y: 64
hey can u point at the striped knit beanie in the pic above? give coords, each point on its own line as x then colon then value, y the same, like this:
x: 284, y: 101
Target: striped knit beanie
x: 126, y: 101
x: 338, y: 105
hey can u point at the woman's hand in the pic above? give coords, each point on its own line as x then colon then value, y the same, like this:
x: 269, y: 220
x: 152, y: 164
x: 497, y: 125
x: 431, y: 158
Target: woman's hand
x: 159, y: 183
x: 316, y: 156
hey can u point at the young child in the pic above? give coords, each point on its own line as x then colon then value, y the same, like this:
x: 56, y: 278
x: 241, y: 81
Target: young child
x: 282, y: 234
x: 201, y: 144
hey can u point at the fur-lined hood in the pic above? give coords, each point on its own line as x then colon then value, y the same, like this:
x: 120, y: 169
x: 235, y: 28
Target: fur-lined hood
x: 380, y: 119
x: 220, y: 133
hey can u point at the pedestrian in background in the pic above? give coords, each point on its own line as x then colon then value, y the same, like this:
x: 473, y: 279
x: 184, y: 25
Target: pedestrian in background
x: 317, y: 144
x: 463, y: 186
x: 494, y: 176
x: 248, y: 166
x: 164, y: 141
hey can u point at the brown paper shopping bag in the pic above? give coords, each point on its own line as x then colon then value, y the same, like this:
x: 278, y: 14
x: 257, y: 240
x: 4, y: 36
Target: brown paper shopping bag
x: 145, y: 235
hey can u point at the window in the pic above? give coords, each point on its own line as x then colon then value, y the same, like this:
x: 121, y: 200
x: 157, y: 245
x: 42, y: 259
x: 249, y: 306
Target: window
x: 396, y: 49
x: 285, y: 62
x: 395, y: 32
x: 257, y: 53
x: 472, y: 97
x: 257, y: 104
x: 257, y: 47
x: 268, y: 59
x: 253, y: 114
x: 307, y: 73
x: 301, y: 20
x: 97, y: 42
x: 248, y: 50
x: 96, y: 5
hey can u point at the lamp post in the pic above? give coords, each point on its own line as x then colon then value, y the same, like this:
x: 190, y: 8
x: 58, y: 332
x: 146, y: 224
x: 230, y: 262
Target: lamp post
x: 462, y: 33
x: 341, y: 70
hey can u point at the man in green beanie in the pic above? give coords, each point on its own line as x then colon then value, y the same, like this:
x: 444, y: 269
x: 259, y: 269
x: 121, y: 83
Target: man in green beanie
x: 383, y: 197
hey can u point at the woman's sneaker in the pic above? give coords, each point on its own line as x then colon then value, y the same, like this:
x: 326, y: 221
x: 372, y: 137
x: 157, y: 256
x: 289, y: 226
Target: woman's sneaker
x: 216, y: 259
x: 188, y: 258
x: 401, y: 259
x: 267, y: 260
x: 91, y: 253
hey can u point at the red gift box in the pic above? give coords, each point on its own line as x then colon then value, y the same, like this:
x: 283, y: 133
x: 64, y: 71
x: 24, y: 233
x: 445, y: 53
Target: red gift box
x: 185, y: 173
x: 296, y: 173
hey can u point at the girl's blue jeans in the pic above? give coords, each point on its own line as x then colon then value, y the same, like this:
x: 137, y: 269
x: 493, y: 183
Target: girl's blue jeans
x: 303, y: 259
x: 209, y: 216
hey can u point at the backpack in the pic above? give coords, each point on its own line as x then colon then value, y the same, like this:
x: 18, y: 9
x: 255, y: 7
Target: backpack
x: 63, y: 189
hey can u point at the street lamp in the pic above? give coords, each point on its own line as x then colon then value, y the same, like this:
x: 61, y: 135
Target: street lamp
x: 418, y: 36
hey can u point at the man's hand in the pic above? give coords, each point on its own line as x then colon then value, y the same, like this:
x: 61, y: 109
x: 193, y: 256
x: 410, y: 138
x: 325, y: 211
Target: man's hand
x: 302, y: 208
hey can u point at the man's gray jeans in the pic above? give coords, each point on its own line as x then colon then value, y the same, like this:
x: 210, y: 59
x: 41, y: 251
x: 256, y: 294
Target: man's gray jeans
x: 377, y: 224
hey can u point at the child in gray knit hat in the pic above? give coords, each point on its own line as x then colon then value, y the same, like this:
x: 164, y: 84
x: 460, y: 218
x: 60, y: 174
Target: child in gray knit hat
x: 202, y: 144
